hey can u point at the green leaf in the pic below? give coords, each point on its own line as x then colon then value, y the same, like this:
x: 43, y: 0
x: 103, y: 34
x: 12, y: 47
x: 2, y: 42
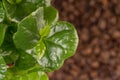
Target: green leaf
x: 65, y: 35
x: 3, y: 28
x: 50, y: 15
x: 27, y: 37
x: 28, y: 28
x: 27, y: 34
x: 50, y: 43
x: 2, y: 12
x: 3, y: 68
x: 29, y: 76
x: 60, y: 44
x: 16, y: 12
x: 25, y: 61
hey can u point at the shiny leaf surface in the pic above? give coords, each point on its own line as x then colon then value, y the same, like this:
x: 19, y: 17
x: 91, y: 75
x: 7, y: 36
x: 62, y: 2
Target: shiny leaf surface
x: 61, y: 43
x: 50, y: 15
x: 25, y: 61
x: 28, y: 30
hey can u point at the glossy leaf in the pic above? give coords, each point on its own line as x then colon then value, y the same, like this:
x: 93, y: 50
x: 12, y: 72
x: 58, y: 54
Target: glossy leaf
x: 50, y: 15
x: 2, y: 12
x: 3, y: 28
x: 25, y: 61
x: 16, y: 12
x: 60, y: 44
x: 3, y: 68
x: 28, y: 30
x: 29, y: 34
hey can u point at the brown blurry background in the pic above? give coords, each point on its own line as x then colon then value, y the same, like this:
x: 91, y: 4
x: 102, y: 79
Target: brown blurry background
x: 98, y: 53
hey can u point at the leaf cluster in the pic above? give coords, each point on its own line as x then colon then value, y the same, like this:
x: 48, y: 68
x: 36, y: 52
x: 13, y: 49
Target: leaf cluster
x: 32, y: 40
